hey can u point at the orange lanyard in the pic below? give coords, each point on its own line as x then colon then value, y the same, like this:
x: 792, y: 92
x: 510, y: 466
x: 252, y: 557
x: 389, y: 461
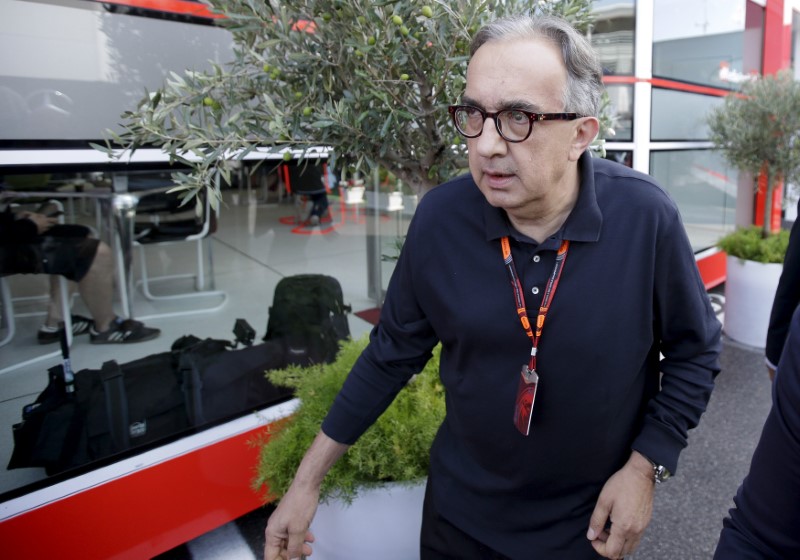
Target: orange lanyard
x: 519, y: 295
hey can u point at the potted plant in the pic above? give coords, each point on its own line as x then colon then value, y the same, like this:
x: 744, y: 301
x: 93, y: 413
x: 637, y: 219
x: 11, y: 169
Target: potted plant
x: 387, y: 467
x: 757, y: 132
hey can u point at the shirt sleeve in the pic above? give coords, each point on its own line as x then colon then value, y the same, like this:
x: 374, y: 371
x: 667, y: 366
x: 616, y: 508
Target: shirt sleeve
x: 399, y: 347
x: 688, y: 335
x: 787, y: 297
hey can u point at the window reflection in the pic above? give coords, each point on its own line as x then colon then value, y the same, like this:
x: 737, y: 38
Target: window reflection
x: 625, y: 157
x: 621, y: 97
x: 681, y: 116
x: 704, y: 187
x: 612, y: 34
x: 710, y: 42
x: 796, y: 44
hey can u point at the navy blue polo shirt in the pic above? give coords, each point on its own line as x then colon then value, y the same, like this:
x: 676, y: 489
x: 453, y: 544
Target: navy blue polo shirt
x: 630, y: 306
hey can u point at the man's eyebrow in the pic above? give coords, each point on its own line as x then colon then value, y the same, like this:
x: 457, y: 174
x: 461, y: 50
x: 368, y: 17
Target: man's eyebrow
x: 522, y: 104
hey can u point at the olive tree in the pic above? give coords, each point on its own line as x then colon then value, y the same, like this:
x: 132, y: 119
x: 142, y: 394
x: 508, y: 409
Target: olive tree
x: 370, y: 79
x: 757, y: 131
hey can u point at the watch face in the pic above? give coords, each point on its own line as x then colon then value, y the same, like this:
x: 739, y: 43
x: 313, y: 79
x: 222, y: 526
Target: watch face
x: 661, y: 473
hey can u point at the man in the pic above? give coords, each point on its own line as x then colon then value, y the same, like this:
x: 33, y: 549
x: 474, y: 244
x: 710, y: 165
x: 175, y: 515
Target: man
x: 33, y: 243
x: 767, y: 514
x: 622, y: 291
x: 787, y: 297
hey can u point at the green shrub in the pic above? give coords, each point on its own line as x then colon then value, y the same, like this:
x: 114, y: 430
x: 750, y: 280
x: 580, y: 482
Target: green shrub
x: 396, y: 448
x: 750, y: 244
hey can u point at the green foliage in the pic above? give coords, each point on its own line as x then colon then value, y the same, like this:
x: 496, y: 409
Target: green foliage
x: 750, y: 244
x: 370, y: 79
x: 760, y: 127
x: 395, y: 448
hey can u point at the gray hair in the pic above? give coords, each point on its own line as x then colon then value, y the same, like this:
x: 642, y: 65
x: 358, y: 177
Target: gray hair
x: 584, y: 85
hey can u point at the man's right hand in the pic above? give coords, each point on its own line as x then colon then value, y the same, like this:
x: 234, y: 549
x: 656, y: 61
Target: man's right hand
x: 287, y: 534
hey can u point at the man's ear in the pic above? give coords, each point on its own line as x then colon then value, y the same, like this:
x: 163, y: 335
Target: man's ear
x: 586, y: 130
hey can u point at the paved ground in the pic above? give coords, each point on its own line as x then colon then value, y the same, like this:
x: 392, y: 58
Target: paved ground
x: 689, y: 508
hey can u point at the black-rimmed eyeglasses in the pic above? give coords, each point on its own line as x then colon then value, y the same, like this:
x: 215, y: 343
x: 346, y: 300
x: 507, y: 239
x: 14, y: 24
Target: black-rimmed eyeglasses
x: 513, y: 125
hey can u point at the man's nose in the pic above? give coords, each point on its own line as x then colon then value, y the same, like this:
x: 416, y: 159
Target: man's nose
x: 490, y: 143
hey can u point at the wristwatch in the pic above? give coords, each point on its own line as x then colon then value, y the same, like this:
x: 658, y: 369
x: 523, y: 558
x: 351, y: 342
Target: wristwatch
x: 660, y: 472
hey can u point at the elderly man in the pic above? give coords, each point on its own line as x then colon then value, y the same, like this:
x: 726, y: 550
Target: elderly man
x: 579, y: 346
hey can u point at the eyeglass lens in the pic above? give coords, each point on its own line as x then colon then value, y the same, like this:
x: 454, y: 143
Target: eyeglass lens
x: 512, y: 124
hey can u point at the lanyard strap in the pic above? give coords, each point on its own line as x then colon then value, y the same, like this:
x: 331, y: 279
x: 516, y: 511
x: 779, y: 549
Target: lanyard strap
x: 519, y: 295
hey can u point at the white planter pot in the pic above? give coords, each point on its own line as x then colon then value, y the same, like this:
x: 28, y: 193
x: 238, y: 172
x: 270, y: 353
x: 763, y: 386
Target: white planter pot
x: 354, y: 195
x: 749, y: 292
x: 395, y: 201
x: 381, y: 523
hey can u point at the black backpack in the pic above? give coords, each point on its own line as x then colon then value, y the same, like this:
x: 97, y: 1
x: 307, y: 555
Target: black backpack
x: 309, y: 318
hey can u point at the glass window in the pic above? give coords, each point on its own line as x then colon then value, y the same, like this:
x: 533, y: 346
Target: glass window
x: 704, y: 187
x: 679, y: 115
x: 621, y: 97
x: 625, y: 157
x: 612, y: 34
x: 796, y: 44
x: 262, y: 235
x: 710, y: 42
x: 76, y: 67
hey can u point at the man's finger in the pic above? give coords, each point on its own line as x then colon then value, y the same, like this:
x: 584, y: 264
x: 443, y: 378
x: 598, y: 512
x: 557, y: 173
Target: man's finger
x: 297, y: 547
x: 274, y: 547
x: 598, y: 521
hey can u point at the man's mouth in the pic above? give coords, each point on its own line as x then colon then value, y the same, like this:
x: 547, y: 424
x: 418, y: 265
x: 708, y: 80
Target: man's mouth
x: 497, y: 178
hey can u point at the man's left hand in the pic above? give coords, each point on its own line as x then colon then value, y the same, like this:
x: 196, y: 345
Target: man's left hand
x: 623, y: 509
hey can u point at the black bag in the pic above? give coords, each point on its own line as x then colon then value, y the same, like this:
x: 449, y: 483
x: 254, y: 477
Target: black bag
x: 47, y: 435
x: 131, y: 405
x: 308, y: 316
x: 219, y: 386
x: 111, y: 410
x: 153, y: 399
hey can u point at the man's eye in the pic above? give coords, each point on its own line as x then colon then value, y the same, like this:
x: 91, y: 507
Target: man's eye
x: 517, y: 117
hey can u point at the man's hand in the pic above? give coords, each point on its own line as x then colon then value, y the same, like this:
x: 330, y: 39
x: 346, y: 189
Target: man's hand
x: 287, y: 534
x: 43, y: 223
x: 626, y: 502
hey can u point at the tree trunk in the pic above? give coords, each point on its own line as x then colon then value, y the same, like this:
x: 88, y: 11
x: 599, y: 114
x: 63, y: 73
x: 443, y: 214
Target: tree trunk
x: 767, y: 227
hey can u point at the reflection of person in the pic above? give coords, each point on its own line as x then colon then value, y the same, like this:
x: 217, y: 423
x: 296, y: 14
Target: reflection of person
x: 787, y: 297
x: 319, y: 207
x: 539, y: 228
x: 764, y: 524
x: 33, y: 243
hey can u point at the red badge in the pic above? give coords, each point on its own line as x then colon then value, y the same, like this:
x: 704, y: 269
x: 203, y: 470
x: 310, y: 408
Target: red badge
x: 526, y: 393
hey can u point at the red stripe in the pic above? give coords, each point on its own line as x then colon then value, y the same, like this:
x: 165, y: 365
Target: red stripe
x: 668, y: 84
x: 170, y: 6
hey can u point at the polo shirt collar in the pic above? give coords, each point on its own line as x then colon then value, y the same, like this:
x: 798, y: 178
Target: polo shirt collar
x: 583, y: 223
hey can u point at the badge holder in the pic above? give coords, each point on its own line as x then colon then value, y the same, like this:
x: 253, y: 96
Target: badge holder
x: 526, y: 393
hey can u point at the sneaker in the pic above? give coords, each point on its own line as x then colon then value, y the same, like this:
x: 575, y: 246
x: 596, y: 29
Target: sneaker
x: 80, y: 325
x: 124, y: 331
